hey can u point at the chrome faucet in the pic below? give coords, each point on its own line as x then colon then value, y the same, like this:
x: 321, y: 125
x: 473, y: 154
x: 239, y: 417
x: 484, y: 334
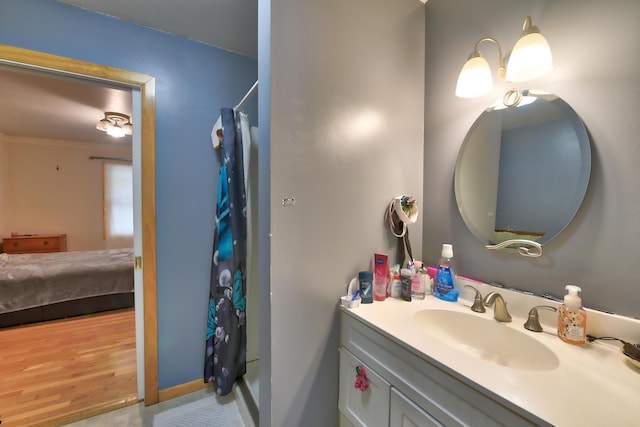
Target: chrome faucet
x: 500, y: 312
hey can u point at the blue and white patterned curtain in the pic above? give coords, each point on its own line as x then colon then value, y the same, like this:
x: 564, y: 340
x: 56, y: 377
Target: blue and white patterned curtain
x: 226, y: 342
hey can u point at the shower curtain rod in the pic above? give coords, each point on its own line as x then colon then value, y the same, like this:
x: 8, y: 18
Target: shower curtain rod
x: 216, y: 132
x: 249, y: 94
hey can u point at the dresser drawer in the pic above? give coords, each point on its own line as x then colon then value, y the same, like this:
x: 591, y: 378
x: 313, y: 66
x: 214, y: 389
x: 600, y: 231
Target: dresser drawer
x: 35, y: 243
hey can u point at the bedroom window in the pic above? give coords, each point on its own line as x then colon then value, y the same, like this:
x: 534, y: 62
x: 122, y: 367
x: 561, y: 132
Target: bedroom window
x: 118, y: 202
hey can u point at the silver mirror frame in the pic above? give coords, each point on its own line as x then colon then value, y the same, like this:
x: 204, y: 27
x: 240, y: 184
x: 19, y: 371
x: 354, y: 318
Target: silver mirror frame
x: 554, y: 185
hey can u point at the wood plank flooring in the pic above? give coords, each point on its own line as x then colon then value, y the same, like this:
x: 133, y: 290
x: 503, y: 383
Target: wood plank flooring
x: 61, y: 371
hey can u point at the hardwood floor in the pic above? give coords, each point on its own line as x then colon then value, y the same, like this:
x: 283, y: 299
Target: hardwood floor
x: 61, y: 371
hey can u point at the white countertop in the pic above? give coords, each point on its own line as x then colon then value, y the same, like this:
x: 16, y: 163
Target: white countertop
x: 594, y: 384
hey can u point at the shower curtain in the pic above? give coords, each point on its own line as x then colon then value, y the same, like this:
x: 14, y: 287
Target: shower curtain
x: 225, y: 358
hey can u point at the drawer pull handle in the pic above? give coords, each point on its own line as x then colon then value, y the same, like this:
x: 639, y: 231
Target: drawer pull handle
x: 362, y: 382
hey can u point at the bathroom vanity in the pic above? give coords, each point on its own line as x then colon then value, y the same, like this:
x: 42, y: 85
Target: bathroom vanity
x: 432, y: 363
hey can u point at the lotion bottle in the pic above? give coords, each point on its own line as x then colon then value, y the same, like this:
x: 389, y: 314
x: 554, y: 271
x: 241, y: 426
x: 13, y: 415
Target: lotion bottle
x: 572, y: 318
x: 418, y: 288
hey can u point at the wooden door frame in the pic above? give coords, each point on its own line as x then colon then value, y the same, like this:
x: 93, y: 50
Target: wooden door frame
x: 29, y: 59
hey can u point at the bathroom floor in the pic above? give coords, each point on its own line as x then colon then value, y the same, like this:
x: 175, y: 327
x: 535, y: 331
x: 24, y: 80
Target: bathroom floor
x: 139, y: 415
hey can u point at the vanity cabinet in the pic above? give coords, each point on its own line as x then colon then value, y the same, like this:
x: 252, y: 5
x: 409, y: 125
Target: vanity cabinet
x: 380, y: 405
x: 405, y: 413
x: 367, y: 408
x: 408, y: 388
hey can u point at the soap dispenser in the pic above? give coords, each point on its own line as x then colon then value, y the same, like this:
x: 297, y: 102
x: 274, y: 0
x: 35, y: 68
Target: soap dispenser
x: 572, y: 319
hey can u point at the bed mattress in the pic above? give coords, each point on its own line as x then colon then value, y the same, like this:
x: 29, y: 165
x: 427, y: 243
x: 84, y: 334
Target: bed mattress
x: 35, y: 280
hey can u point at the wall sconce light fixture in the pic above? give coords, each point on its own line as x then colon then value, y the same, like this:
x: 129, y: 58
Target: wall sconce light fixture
x: 529, y: 60
x: 115, y: 124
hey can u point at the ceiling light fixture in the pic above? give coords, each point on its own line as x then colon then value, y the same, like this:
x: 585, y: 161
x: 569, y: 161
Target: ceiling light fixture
x: 115, y: 124
x: 529, y: 60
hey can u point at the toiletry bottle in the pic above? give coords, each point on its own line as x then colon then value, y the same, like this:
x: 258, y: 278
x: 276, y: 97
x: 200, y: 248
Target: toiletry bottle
x: 406, y: 276
x: 431, y: 272
x: 572, y: 319
x: 427, y: 281
x: 365, y: 279
x: 380, y: 276
x: 445, y: 287
x: 395, y: 283
x: 418, y: 289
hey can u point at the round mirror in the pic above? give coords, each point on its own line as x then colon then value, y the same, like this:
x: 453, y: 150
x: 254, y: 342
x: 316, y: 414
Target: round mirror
x: 523, y: 169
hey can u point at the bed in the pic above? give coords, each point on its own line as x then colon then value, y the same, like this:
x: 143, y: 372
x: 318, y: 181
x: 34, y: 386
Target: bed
x: 47, y: 286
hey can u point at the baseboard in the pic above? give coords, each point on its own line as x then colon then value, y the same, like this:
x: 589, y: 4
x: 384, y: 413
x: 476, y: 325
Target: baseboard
x: 182, y: 389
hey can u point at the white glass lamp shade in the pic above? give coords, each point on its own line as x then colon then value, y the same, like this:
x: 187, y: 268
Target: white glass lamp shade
x: 128, y: 128
x: 530, y: 59
x: 116, y: 131
x: 475, y: 78
x: 104, y: 124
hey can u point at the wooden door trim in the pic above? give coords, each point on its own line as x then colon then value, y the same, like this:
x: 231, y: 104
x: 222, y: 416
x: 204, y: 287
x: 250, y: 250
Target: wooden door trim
x: 19, y: 57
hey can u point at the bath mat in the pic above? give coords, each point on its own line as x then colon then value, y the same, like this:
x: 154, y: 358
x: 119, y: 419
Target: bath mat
x: 211, y: 411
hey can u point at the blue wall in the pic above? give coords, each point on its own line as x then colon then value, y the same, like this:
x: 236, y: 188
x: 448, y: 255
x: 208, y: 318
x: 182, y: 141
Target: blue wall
x: 193, y: 81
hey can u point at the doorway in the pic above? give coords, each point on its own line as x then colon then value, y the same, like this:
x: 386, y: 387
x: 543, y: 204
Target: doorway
x: 143, y: 89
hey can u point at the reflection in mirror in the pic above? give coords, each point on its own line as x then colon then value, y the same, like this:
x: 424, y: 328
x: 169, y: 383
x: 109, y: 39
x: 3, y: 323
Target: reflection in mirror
x: 525, y: 247
x: 523, y: 169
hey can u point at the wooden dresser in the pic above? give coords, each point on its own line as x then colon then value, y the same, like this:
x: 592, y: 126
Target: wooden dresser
x: 35, y: 243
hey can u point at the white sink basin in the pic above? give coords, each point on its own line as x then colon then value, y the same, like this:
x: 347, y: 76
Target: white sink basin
x: 487, y: 339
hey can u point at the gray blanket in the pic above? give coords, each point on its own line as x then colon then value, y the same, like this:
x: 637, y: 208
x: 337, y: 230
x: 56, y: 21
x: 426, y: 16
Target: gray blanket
x: 33, y: 280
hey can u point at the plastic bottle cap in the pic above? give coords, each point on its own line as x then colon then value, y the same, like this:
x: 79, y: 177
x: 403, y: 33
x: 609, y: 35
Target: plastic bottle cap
x: 572, y: 300
x: 365, y: 275
x: 447, y: 250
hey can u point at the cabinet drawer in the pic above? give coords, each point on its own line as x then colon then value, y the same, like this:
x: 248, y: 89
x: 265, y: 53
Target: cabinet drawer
x: 35, y: 244
x: 404, y: 413
x: 369, y: 408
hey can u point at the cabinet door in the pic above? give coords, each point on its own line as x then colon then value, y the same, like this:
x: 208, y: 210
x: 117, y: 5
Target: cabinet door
x: 404, y: 413
x: 368, y: 408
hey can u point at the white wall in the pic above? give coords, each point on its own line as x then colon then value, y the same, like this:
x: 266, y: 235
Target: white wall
x: 596, y: 52
x: 253, y: 290
x: 53, y: 187
x: 344, y: 82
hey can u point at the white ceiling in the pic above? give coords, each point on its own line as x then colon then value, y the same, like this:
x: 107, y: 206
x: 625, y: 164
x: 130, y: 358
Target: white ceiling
x: 53, y: 107
x: 35, y: 105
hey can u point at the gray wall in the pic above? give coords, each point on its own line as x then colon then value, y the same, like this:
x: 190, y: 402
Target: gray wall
x: 346, y: 103
x: 596, y: 50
